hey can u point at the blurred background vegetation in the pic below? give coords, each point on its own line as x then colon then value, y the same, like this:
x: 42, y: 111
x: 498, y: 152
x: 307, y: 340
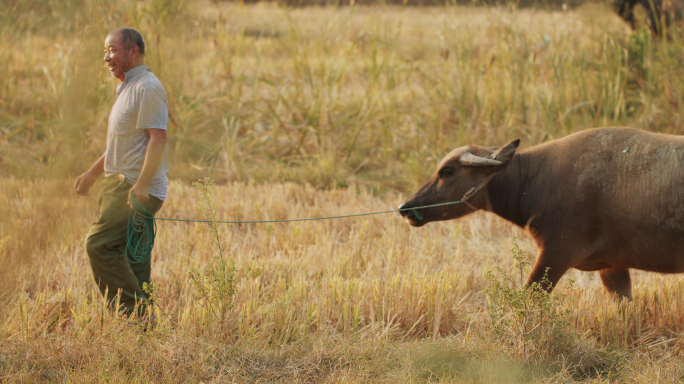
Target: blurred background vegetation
x: 366, y: 96
x: 329, y: 96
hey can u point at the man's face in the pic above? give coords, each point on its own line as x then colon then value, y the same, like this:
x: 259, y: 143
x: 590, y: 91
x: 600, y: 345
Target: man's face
x: 117, y: 57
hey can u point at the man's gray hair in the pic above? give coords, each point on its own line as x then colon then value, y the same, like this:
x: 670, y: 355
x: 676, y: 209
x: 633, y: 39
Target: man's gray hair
x: 131, y: 37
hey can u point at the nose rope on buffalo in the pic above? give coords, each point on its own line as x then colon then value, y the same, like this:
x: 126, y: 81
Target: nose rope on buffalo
x: 142, y: 228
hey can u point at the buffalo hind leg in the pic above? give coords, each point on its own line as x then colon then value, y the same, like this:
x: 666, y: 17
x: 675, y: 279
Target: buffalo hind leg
x: 617, y: 281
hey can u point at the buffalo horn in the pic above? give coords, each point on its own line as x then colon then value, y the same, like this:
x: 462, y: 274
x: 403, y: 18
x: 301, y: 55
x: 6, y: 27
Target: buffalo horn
x: 471, y: 160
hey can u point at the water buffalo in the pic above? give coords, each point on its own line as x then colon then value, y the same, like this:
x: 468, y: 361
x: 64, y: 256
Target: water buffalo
x: 659, y: 12
x: 605, y: 199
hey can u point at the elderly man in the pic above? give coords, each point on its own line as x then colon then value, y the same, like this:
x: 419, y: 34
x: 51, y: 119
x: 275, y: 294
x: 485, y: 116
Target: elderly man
x: 135, y: 162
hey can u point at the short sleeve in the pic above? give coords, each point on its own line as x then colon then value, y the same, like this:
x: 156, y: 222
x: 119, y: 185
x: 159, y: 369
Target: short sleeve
x: 154, y: 109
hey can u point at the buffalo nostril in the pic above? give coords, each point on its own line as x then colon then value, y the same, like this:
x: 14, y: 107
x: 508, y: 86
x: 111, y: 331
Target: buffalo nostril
x: 409, y: 212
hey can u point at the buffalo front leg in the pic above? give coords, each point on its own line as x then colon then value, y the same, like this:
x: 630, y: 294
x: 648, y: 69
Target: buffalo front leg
x: 549, y: 267
x: 617, y: 282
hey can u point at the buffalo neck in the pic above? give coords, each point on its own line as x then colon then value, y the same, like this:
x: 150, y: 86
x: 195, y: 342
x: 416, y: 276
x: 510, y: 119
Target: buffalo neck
x: 510, y: 192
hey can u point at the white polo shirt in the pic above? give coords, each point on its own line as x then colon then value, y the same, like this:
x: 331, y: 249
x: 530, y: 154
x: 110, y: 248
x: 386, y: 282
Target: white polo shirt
x: 140, y: 104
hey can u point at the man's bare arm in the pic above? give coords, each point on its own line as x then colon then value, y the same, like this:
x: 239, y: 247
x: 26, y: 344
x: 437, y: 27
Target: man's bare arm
x: 88, y: 178
x: 153, y: 159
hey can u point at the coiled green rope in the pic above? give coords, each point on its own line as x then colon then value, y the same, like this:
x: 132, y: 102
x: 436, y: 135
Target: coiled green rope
x: 140, y: 234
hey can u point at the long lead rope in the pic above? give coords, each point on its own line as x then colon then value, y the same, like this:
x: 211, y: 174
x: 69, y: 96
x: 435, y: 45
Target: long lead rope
x: 142, y: 227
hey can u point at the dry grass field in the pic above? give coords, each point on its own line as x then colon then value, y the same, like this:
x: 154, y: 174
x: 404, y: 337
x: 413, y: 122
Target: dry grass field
x: 314, y: 112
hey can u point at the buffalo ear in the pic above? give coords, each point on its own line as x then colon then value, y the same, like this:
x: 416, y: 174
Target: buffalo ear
x: 505, y: 154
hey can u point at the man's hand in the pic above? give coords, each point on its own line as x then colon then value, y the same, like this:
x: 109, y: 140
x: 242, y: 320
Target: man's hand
x: 87, y: 179
x: 141, y: 194
x: 84, y: 182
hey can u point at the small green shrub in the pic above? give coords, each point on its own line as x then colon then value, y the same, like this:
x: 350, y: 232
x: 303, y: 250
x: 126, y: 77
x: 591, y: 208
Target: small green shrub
x: 216, y: 285
x: 152, y: 292
x: 528, y: 318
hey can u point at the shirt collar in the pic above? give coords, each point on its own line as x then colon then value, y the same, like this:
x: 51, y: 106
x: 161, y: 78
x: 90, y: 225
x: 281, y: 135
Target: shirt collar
x: 132, y: 74
x: 135, y: 72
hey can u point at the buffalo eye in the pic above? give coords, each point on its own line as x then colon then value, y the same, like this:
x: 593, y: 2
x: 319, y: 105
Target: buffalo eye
x: 446, y: 172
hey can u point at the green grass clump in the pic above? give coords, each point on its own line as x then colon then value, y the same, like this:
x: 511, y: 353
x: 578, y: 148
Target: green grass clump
x: 216, y: 285
x: 528, y: 318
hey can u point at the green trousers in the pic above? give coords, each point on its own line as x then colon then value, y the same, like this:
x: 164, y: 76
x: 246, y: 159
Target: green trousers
x: 106, y: 247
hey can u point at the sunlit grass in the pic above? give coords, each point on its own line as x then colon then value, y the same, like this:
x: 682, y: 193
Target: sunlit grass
x: 315, y: 112
x: 349, y: 288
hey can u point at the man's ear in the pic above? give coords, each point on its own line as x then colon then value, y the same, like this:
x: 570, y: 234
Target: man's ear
x: 134, y: 50
x: 505, y: 154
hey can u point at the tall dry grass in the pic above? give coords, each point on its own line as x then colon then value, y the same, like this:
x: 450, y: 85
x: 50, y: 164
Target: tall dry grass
x: 289, y: 107
x: 330, y: 96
